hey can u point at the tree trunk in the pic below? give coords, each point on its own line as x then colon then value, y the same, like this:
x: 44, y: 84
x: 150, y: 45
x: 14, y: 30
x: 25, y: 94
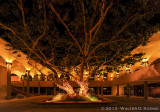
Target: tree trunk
x: 66, y: 87
x: 82, y: 70
x: 83, y: 88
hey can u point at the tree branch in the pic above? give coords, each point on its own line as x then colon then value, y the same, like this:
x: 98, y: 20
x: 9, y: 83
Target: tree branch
x: 98, y: 25
x: 97, y: 68
x: 124, y: 26
x: 84, y: 24
x: 25, y: 44
x: 25, y: 28
x: 69, y: 32
x: 92, y: 19
x: 103, y: 44
x: 103, y: 16
x: 5, y: 27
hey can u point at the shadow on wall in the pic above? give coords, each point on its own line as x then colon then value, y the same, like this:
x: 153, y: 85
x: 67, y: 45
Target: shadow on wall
x: 153, y: 70
x: 156, y: 64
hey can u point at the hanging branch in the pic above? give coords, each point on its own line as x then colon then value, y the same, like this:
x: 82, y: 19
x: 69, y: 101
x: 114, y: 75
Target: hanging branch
x: 22, y: 40
x: 30, y: 49
x: 25, y: 28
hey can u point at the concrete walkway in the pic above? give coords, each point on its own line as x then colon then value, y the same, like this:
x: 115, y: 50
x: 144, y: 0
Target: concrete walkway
x: 121, y: 104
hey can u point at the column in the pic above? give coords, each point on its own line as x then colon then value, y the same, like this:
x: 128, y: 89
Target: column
x: 101, y: 87
x: 146, y: 90
x: 98, y: 90
x: 133, y: 90
x: 46, y: 91
x: 117, y: 90
x: 3, y: 83
x: 9, y: 65
x: 39, y: 78
x: 128, y: 90
x: 28, y: 88
x: 23, y: 76
x: 54, y: 87
x: 121, y: 89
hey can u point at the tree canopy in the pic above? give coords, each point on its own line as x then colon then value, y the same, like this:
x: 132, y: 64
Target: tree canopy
x: 69, y: 33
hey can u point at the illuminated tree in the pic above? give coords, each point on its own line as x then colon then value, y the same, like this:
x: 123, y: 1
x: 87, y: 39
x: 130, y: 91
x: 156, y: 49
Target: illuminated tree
x: 79, y: 35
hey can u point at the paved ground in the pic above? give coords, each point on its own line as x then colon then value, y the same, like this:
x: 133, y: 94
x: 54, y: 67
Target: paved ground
x: 121, y: 104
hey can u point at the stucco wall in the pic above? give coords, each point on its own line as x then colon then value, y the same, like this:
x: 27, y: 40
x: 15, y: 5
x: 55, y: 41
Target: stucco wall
x: 3, y: 82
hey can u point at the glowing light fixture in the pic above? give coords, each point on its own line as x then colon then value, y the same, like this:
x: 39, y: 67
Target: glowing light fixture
x: 128, y: 69
x: 27, y: 69
x: 8, y: 61
x: 117, y: 74
x: 145, y: 61
x: 9, y: 64
x: 111, y: 77
x: 39, y: 76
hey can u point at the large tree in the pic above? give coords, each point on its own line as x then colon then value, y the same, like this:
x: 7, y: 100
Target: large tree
x: 79, y: 35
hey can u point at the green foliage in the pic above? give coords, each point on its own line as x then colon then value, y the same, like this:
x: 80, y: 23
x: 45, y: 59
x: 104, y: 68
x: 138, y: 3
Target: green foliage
x: 58, y: 44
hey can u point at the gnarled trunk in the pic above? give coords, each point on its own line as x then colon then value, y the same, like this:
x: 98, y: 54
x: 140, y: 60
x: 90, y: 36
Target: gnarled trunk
x: 67, y: 87
x: 83, y: 88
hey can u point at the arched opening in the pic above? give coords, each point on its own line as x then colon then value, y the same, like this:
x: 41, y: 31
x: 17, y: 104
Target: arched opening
x: 14, y: 77
x: 13, y: 74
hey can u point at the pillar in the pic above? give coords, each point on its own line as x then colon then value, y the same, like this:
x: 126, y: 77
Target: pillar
x: 128, y: 90
x: 98, y: 90
x: 33, y: 90
x: 9, y: 65
x: 3, y: 83
x: 146, y: 90
x: 121, y: 90
x: 54, y: 87
x: 39, y: 78
x: 23, y: 76
x: 101, y: 87
x: 114, y: 90
x: 28, y: 88
x: 117, y: 90
x: 46, y: 91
